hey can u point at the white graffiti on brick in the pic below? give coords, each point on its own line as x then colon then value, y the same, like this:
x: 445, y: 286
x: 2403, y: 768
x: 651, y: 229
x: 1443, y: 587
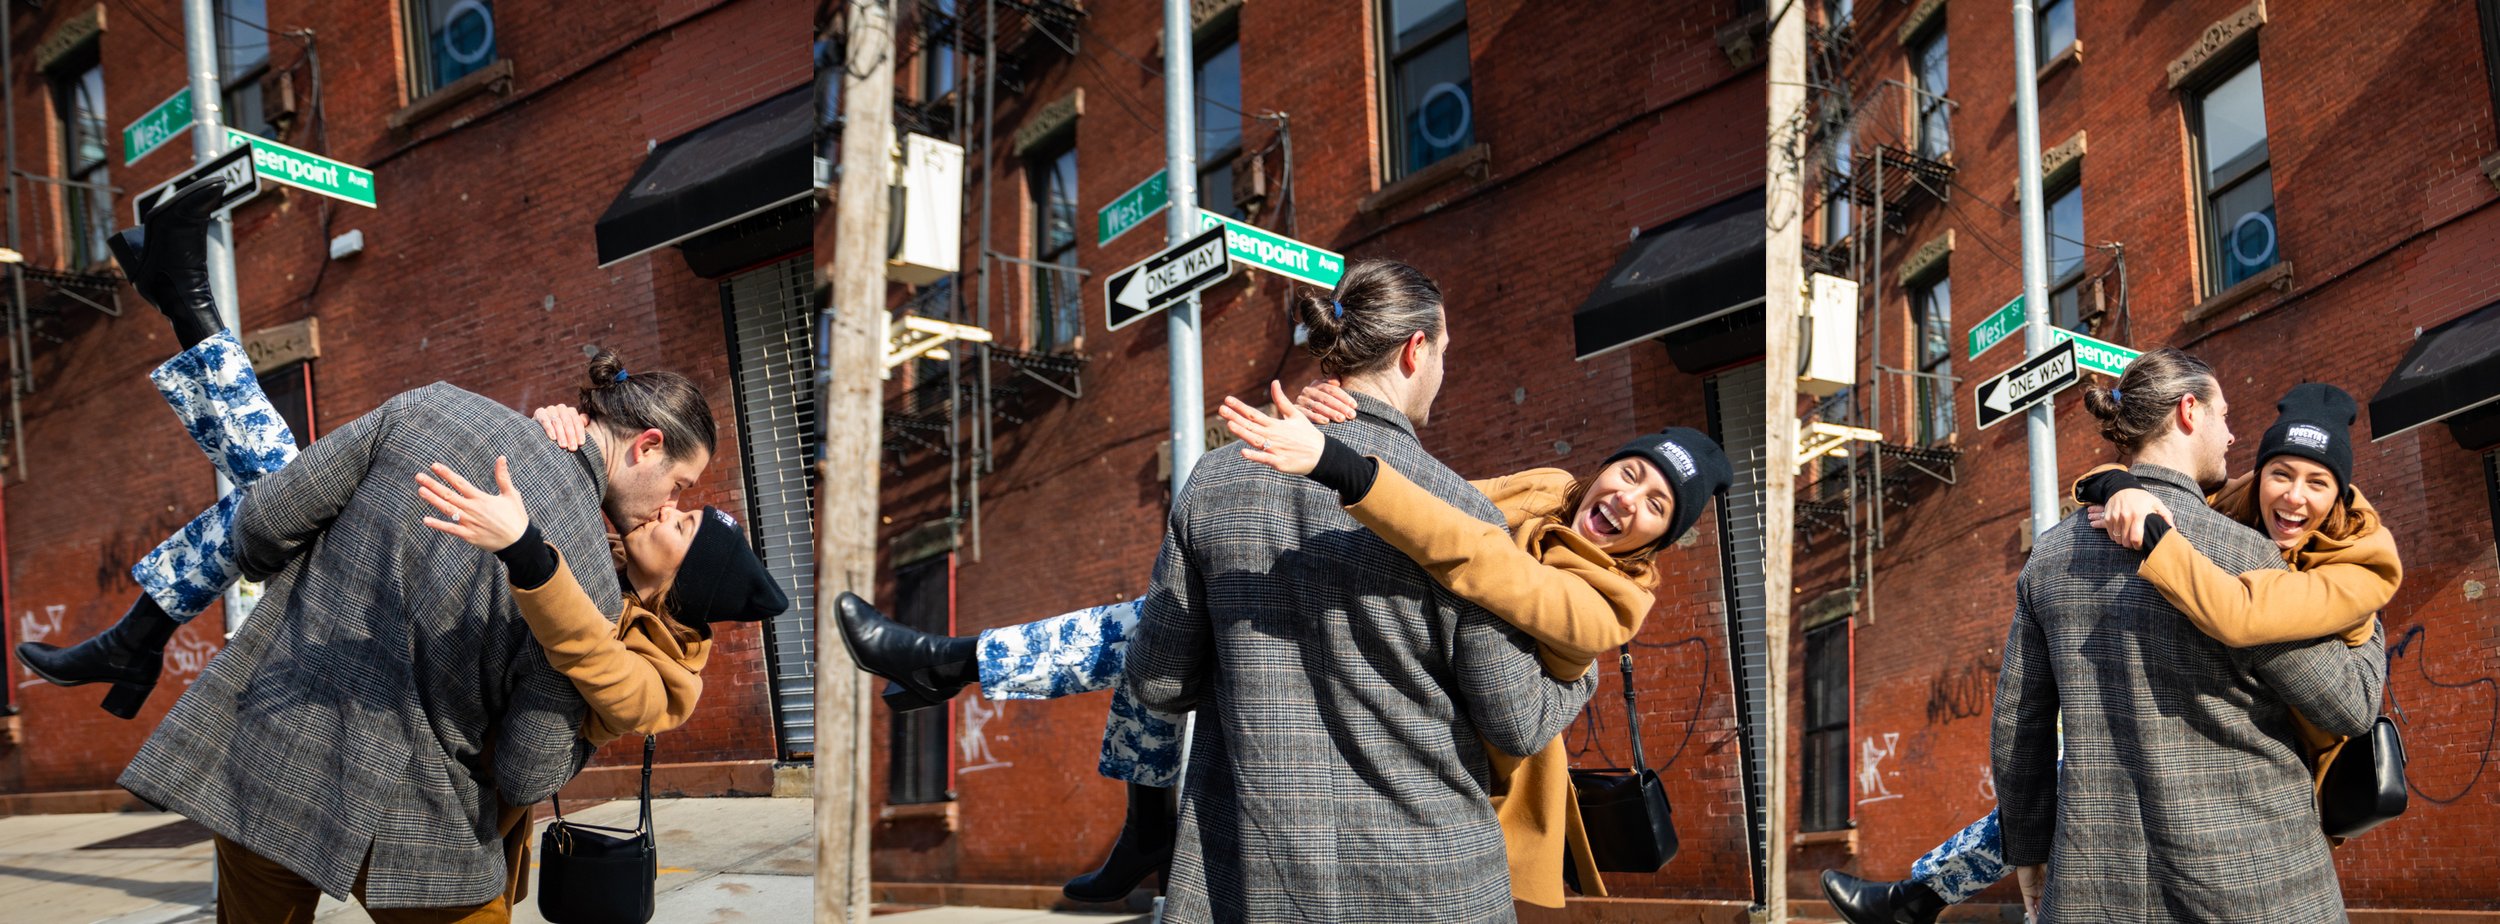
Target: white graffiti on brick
x: 1871, y: 774
x: 970, y: 739
x: 189, y: 656
x: 32, y: 629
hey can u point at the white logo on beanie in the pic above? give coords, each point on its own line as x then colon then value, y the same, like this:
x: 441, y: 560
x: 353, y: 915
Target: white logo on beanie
x: 1676, y: 456
x: 2307, y: 436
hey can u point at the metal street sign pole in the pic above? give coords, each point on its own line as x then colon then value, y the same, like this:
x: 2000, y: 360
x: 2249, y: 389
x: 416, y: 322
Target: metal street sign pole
x: 1180, y: 223
x: 208, y: 140
x: 2041, y: 425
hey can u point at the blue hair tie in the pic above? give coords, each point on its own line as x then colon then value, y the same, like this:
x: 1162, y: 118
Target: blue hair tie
x: 620, y: 375
x: 2116, y: 395
x: 1340, y: 306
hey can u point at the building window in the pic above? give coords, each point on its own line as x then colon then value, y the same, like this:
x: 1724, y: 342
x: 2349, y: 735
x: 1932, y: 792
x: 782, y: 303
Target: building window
x: 1837, y: 214
x: 937, y: 49
x: 1931, y: 308
x: 447, y: 40
x: 290, y: 391
x: 1930, y: 76
x: 1432, y: 112
x: 917, y: 772
x: 2054, y: 25
x: 87, y: 212
x: 1827, y: 728
x: 2065, y: 220
x: 1219, y: 127
x: 242, y: 60
x: 2237, y: 179
x: 1057, y: 302
x: 1838, y: 13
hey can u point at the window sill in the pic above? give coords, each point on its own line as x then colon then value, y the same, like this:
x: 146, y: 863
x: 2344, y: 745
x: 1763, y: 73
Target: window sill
x: 1845, y: 838
x: 1474, y: 162
x: 943, y: 812
x: 2277, y: 277
x: 496, y: 77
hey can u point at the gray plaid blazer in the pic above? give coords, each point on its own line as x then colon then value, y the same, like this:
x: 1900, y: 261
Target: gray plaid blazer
x: 385, y: 700
x: 2184, y: 797
x: 1344, y: 701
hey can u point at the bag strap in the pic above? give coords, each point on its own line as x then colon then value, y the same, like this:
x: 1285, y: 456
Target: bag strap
x: 1632, y: 712
x: 650, y: 746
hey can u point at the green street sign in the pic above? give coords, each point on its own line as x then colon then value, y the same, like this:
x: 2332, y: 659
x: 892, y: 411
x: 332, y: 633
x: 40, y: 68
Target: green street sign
x: 164, y: 123
x: 1998, y: 328
x: 2099, y: 356
x: 1132, y: 208
x: 1276, y: 253
x: 306, y: 170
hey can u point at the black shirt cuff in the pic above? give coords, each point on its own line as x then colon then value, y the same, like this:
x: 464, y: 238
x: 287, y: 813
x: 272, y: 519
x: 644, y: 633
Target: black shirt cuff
x: 530, y: 560
x: 1347, y: 472
x: 2098, y: 489
x: 2155, y: 527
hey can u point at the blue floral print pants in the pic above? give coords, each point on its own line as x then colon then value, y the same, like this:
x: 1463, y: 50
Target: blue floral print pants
x: 1082, y: 652
x: 1969, y: 861
x: 211, y: 387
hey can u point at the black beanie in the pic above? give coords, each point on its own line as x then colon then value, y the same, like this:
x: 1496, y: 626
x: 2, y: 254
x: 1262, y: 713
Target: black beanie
x: 2314, y: 422
x: 1695, y: 467
x: 721, y: 580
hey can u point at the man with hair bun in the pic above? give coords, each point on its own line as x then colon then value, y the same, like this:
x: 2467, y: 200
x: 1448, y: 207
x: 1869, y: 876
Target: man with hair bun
x: 2183, y: 794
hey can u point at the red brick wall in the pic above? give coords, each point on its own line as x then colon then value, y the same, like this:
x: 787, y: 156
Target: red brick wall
x: 2377, y: 118
x: 1596, y: 131
x: 479, y: 270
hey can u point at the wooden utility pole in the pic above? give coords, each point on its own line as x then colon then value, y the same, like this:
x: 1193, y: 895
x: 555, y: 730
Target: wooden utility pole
x: 1783, y: 291
x: 851, y: 395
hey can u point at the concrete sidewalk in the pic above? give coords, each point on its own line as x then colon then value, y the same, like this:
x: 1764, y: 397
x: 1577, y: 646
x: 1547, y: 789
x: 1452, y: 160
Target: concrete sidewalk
x: 721, y: 860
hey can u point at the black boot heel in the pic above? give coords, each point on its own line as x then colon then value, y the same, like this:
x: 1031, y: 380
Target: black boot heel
x: 126, y: 698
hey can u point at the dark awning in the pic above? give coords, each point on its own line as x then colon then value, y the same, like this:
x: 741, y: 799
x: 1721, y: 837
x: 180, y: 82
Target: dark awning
x: 2452, y: 368
x: 742, y: 165
x: 1697, y: 268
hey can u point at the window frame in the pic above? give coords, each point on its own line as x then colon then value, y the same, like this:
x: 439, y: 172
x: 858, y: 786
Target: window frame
x: 1815, y: 813
x: 2042, y: 53
x: 930, y: 42
x: 1043, y: 163
x: 2210, y: 236
x: 84, y: 235
x: 419, y: 46
x: 1930, y: 102
x: 1392, y: 55
x: 1220, y: 161
x: 1936, y: 410
x: 2071, y: 280
x: 234, y: 87
x: 1839, y: 207
x: 920, y: 741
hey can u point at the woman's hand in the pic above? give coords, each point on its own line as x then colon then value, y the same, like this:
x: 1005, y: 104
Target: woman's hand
x: 564, y: 425
x: 2035, y: 883
x: 1324, y: 401
x: 2123, y: 517
x: 489, y: 521
x: 1289, y: 444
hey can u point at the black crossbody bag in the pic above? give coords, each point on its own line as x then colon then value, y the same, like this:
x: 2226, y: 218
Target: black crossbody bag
x: 1630, y: 824
x: 2365, y: 786
x: 588, y: 874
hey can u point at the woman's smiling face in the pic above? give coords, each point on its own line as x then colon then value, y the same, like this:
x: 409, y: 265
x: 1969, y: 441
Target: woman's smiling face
x: 2293, y: 496
x: 1626, y: 508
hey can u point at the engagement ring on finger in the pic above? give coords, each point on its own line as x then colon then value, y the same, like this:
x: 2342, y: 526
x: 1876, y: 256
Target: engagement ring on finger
x: 455, y: 518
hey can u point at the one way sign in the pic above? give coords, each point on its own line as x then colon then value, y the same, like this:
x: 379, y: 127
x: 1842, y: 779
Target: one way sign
x: 2025, y: 385
x: 1165, y: 278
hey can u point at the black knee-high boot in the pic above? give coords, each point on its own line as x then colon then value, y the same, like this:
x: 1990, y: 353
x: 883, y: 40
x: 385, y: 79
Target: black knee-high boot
x: 927, y: 669
x: 129, y: 655
x: 167, y: 261
x: 1144, y: 848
